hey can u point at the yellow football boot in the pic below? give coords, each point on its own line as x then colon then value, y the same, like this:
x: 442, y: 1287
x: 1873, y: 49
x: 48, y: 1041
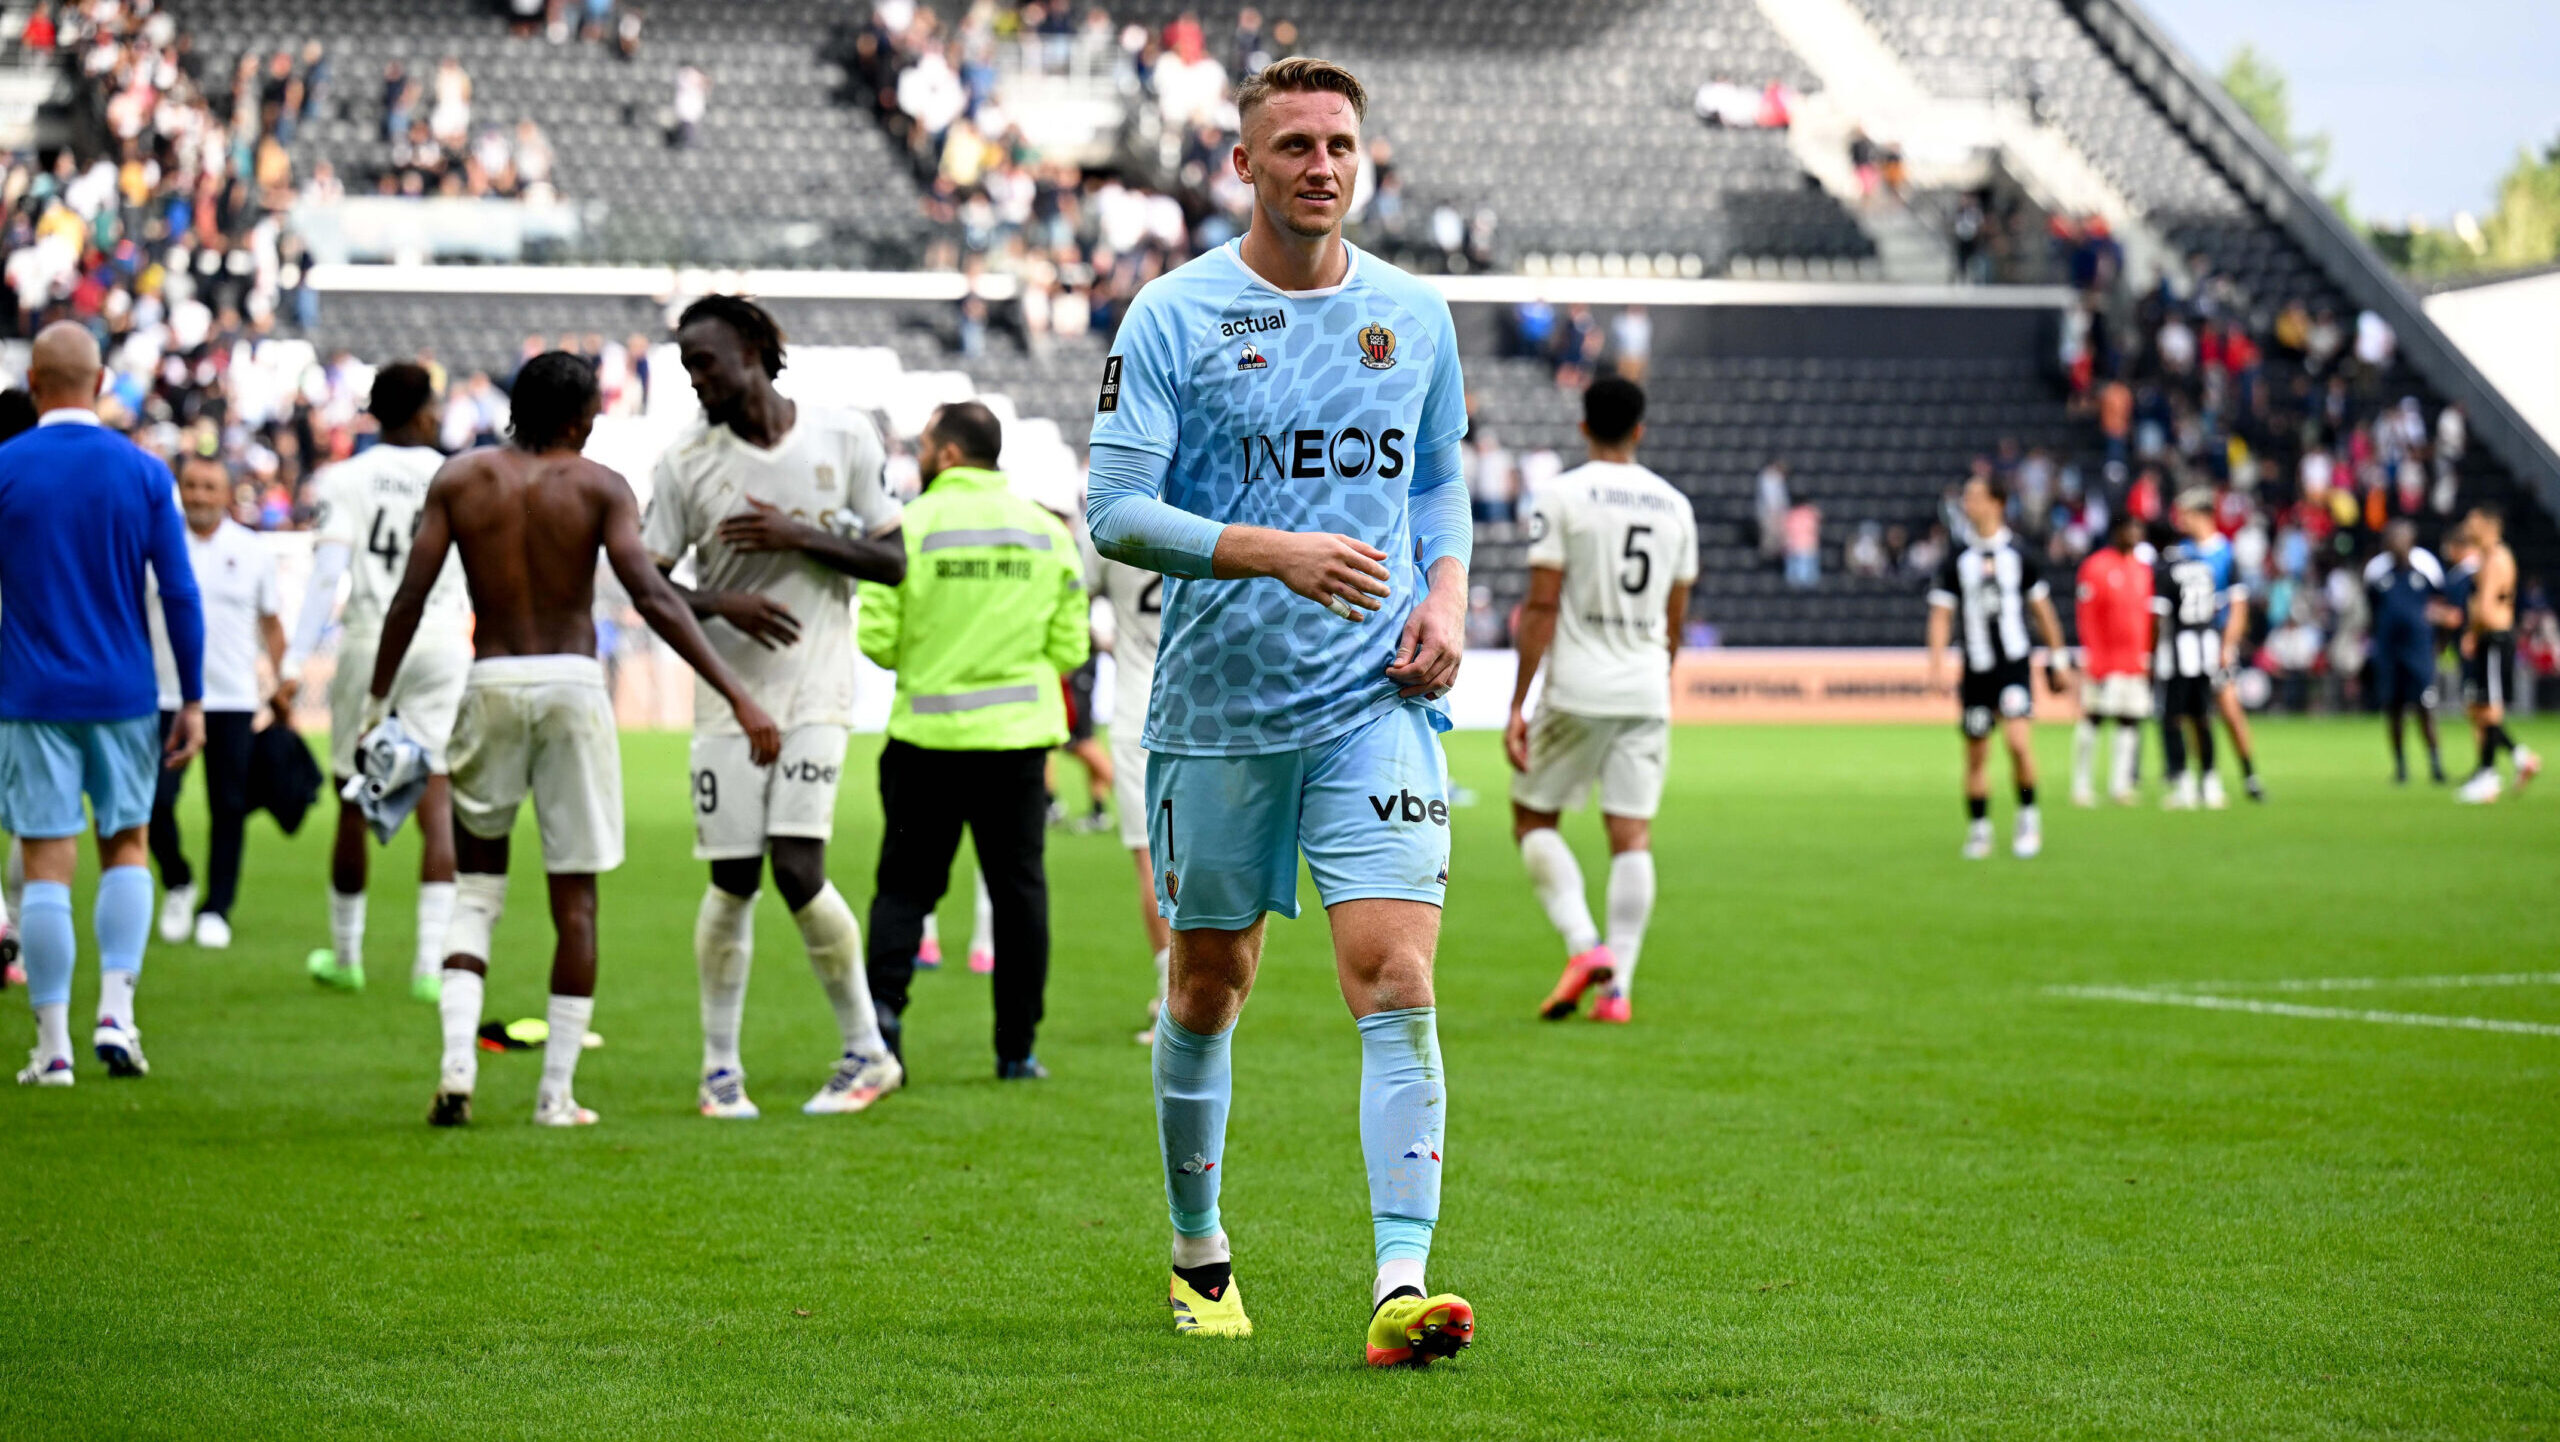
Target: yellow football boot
x: 1410, y: 1327
x: 1199, y: 1314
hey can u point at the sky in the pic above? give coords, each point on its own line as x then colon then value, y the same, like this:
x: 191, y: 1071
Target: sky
x: 2426, y: 101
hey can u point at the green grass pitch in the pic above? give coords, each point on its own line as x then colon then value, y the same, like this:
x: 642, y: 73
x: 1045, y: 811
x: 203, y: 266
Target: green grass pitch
x: 1854, y: 1170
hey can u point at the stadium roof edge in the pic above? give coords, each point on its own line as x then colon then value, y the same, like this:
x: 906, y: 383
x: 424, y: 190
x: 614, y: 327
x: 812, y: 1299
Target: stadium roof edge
x: 670, y: 282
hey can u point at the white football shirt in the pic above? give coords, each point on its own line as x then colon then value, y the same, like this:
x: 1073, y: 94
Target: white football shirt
x: 826, y: 472
x: 236, y: 576
x: 1137, y: 620
x: 1624, y: 538
x: 370, y: 504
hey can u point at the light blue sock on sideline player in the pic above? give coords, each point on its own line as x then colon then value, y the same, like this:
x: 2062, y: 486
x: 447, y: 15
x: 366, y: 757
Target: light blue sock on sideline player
x: 1195, y: 1081
x: 123, y: 919
x: 1404, y: 1104
x: 50, y: 948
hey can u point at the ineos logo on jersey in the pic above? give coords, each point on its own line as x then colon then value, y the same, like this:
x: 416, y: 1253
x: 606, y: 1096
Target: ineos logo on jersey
x: 1308, y: 455
x: 1254, y: 325
x: 1412, y: 809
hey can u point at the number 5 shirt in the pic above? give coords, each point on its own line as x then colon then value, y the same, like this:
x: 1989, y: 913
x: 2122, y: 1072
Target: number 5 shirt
x: 1624, y: 538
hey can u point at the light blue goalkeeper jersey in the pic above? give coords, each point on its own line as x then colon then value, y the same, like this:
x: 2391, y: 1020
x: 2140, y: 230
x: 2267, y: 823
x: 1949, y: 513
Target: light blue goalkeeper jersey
x: 1299, y: 411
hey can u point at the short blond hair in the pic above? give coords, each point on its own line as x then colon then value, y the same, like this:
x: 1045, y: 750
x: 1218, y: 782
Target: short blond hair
x: 1300, y: 75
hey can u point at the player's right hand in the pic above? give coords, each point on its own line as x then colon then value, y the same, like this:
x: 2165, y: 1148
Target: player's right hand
x: 766, y: 620
x: 186, y: 736
x: 1938, y: 679
x: 1330, y: 570
x: 1515, y: 740
x: 764, y: 739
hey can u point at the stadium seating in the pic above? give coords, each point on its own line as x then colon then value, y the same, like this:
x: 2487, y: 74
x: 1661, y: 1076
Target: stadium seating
x: 1571, y: 120
x: 782, y: 175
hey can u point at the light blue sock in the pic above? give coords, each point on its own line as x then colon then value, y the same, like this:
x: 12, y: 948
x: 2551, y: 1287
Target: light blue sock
x: 123, y: 917
x: 48, y: 945
x: 1404, y: 1104
x: 1194, y: 1083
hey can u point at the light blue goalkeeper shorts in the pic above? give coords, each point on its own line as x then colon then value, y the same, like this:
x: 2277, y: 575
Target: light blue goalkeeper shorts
x: 1369, y: 808
x: 46, y: 767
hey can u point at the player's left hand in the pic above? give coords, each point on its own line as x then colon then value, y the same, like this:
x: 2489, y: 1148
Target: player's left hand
x: 1435, y: 641
x: 763, y: 527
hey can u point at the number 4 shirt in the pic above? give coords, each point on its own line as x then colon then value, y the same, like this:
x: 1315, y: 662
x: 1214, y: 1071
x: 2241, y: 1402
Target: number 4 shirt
x: 370, y: 504
x: 1624, y: 538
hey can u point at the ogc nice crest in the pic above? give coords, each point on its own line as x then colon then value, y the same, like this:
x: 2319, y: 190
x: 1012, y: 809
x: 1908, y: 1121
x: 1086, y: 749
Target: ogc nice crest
x: 1377, y: 347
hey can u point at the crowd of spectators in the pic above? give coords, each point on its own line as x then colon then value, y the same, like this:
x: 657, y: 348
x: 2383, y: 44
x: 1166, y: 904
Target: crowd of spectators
x: 1081, y: 240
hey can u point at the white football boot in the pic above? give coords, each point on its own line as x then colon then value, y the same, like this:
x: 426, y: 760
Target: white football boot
x: 178, y: 914
x: 1977, y: 840
x: 2182, y: 793
x: 2480, y: 790
x: 857, y: 1083
x: 561, y: 1110
x: 2029, y: 840
x: 45, y: 1071
x: 213, y: 932
x: 2214, y: 798
x: 120, y: 1047
x: 724, y: 1095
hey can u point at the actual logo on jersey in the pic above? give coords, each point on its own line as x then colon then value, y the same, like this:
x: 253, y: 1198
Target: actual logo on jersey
x: 1250, y: 359
x: 1110, y: 400
x: 1254, y: 325
x: 1377, y: 347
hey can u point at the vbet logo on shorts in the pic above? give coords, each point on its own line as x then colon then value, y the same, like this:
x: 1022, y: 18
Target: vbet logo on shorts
x: 807, y: 770
x: 1406, y: 807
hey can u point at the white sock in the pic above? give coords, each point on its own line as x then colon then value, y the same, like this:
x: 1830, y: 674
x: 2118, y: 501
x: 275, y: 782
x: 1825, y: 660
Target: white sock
x: 2128, y: 750
x: 1557, y: 878
x: 2030, y: 818
x: 1200, y: 1251
x: 1164, y: 972
x: 53, y: 1030
x: 115, y: 995
x: 459, y: 1007
x: 724, y: 948
x: 346, y: 926
x: 569, y: 1017
x: 1397, y: 1272
x: 932, y: 930
x: 834, y: 940
x: 435, y: 913
x: 982, y: 926
x: 1630, y: 909
x: 2084, y: 754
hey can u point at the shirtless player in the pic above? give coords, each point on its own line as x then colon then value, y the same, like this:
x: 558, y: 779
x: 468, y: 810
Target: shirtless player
x: 529, y: 518
x: 2489, y: 658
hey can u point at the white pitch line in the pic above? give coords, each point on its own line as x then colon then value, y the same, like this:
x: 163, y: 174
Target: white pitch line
x: 2378, y: 983
x: 2317, y: 1013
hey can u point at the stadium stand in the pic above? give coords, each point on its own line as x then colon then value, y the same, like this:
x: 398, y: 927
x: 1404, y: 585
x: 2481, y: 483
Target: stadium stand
x: 779, y: 173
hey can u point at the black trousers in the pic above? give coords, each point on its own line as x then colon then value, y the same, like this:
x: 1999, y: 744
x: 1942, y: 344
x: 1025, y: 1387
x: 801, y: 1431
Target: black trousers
x: 226, y: 787
x: 925, y: 798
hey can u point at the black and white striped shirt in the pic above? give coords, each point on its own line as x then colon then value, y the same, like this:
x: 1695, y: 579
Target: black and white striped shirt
x: 1988, y: 585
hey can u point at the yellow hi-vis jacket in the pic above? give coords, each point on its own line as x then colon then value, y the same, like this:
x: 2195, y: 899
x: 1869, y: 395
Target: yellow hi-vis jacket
x: 992, y: 613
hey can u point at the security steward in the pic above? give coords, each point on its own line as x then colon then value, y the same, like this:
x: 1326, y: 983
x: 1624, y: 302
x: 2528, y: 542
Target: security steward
x: 991, y: 613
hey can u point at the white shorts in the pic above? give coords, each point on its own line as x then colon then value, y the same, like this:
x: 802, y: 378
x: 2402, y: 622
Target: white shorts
x: 541, y: 726
x: 1129, y: 784
x: 425, y: 696
x: 737, y: 804
x: 1626, y: 755
x: 2120, y: 698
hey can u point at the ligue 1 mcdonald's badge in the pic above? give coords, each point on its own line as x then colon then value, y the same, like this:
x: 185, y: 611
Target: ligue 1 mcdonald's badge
x: 1377, y: 347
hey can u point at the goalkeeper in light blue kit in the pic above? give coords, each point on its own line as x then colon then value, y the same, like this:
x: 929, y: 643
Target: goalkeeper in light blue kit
x: 1278, y: 432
